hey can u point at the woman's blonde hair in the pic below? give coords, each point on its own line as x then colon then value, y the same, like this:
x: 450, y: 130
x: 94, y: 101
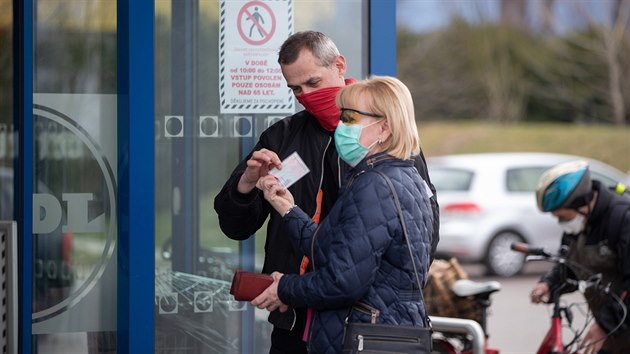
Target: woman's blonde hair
x: 389, y: 97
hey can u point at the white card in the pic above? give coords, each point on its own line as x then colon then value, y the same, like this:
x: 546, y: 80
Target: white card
x: 293, y: 168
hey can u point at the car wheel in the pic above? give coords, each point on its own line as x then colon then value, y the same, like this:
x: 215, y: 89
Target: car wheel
x: 500, y: 259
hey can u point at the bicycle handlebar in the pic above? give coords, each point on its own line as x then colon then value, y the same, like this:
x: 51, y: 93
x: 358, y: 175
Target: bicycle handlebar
x: 594, y: 281
x: 539, y: 254
x: 524, y: 248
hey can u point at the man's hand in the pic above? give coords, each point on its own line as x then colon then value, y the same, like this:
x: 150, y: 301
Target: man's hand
x: 540, y: 293
x: 268, y: 299
x: 258, y: 166
x: 593, y: 339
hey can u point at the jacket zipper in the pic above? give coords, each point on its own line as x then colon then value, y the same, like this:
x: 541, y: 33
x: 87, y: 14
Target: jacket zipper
x: 310, y: 332
x: 313, y: 247
x: 367, y: 309
x: 312, y: 259
x: 321, y: 178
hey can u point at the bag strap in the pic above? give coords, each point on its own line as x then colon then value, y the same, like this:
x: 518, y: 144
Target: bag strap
x: 404, y: 227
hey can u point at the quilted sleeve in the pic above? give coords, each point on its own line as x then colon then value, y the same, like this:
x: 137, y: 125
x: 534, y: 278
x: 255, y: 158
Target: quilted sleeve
x: 360, y: 235
x: 300, y: 228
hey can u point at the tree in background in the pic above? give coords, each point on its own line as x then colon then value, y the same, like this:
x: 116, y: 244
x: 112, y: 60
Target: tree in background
x: 613, y: 38
x: 529, y: 63
x: 467, y: 71
x: 588, y: 80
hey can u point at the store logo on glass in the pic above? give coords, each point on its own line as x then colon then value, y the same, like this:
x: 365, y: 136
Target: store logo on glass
x: 74, y: 212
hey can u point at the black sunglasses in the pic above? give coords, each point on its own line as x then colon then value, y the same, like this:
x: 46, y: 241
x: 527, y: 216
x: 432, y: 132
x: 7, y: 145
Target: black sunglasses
x: 351, y: 116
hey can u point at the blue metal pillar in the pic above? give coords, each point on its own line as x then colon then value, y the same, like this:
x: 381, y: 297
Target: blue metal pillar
x: 136, y: 230
x: 382, y: 37
x: 23, y: 115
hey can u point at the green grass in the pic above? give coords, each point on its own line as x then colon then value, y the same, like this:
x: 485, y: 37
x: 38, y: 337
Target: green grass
x: 608, y: 144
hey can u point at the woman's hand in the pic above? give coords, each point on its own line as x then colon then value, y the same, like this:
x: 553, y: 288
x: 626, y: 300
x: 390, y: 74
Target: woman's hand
x: 269, y: 299
x: 279, y: 198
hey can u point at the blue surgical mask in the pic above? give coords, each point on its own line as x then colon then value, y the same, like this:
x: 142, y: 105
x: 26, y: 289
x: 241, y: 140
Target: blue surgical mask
x: 347, y: 142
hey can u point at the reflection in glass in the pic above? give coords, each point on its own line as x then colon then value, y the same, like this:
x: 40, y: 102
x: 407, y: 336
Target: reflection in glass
x: 7, y: 144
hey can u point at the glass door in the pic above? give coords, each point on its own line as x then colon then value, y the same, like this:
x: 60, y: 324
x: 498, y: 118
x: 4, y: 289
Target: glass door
x: 74, y: 176
x: 199, y: 141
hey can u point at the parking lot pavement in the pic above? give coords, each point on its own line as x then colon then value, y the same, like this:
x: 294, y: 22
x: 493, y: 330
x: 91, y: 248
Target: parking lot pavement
x: 515, y: 325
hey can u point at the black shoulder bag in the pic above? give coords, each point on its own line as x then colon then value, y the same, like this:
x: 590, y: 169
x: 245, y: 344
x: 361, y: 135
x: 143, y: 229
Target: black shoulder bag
x: 387, y: 338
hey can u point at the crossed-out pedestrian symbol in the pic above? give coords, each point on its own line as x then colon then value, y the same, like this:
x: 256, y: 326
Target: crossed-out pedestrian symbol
x: 254, y: 14
x: 257, y: 19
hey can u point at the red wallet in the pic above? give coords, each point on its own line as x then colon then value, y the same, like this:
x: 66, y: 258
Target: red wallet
x: 246, y: 286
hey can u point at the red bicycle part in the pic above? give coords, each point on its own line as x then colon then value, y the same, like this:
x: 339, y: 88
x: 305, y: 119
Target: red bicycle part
x: 443, y: 347
x: 553, y: 340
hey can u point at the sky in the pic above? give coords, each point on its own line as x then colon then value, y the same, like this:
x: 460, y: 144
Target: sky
x: 427, y: 15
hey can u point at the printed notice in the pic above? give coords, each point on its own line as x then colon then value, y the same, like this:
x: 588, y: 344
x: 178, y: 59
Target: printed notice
x: 293, y: 168
x: 251, y: 33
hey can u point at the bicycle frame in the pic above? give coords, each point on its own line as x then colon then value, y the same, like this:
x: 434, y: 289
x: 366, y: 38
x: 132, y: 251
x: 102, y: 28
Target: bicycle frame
x: 553, y: 340
x: 552, y: 343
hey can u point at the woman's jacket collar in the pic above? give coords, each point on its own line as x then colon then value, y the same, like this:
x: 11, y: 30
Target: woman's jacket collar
x: 378, y: 159
x: 375, y: 160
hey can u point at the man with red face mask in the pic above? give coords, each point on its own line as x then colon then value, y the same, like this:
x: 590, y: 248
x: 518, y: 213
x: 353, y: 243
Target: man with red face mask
x: 315, y: 71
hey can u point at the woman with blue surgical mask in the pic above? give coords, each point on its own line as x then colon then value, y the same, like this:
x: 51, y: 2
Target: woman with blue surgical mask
x: 363, y: 268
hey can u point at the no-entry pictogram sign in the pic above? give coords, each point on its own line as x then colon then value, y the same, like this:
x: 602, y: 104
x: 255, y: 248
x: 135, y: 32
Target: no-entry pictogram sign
x: 251, y: 34
x: 256, y: 23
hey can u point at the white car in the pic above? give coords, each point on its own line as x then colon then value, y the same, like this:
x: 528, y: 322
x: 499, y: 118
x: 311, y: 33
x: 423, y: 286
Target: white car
x: 487, y: 202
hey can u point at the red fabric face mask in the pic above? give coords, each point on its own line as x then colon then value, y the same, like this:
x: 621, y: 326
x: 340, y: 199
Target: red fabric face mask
x: 321, y: 104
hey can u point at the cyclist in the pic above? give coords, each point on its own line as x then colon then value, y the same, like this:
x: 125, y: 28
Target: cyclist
x: 596, y: 225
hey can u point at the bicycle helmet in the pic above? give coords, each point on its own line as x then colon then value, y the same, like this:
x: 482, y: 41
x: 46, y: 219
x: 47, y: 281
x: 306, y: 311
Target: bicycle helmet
x: 567, y: 185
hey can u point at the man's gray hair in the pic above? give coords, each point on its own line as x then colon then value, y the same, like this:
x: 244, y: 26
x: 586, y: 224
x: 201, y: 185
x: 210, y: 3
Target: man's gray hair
x: 320, y: 45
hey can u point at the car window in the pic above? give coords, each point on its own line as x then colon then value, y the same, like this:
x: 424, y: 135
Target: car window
x: 451, y: 179
x: 523, y: 179
x: 610, y: 182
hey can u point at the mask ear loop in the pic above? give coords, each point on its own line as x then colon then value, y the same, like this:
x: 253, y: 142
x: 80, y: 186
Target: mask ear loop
x: 379, y: 140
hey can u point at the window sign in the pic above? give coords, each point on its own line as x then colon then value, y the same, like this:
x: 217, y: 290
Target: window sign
x: 251, y: 35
